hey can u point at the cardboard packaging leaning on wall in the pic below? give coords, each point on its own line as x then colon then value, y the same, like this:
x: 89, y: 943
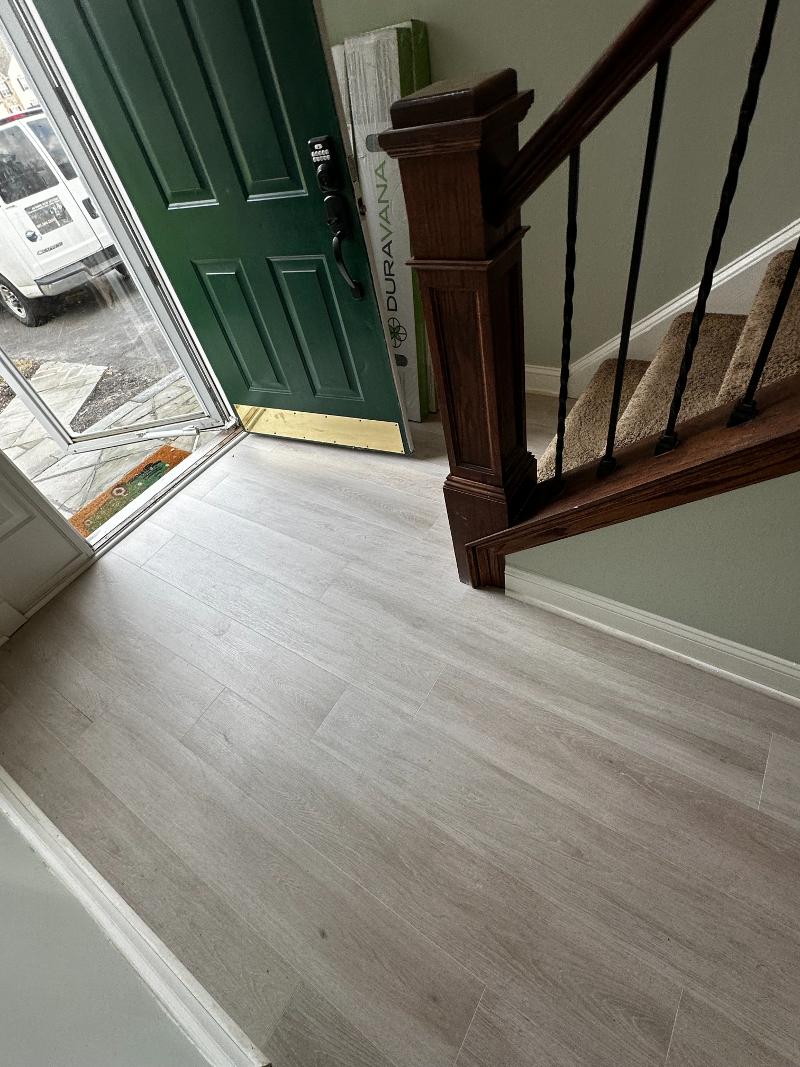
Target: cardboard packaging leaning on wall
x: 380, y: 67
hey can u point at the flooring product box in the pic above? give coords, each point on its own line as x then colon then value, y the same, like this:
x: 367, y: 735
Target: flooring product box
x: 381, y: 66
x: 340, y: 66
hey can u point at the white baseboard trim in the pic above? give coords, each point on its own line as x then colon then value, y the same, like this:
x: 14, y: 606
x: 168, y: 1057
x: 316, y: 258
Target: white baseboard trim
x: 734, y: 288
x: 212, y: 1032
x: 747, y: 666
x: 541, y: 379
x: 10, y: 620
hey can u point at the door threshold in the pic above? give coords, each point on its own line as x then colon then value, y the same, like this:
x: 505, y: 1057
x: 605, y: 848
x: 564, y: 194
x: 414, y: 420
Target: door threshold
x: 118, y: 527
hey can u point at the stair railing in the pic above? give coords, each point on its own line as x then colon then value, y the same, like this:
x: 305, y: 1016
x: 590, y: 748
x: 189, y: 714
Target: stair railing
x: 465, y: 180
x: 746, y: 408
x: 758, y: 65
x: 608, y: 463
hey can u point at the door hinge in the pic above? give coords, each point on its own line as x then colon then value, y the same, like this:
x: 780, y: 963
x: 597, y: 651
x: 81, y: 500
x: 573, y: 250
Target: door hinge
x: 64, y: 100
x: 152, y: 274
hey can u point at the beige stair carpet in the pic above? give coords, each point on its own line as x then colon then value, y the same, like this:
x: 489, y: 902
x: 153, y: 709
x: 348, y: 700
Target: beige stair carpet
x: 784, y: 357
x: 647, y: 412
x: 586, y: 427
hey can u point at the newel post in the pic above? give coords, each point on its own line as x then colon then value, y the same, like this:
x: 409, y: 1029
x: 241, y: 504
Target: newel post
x: 453, y: 140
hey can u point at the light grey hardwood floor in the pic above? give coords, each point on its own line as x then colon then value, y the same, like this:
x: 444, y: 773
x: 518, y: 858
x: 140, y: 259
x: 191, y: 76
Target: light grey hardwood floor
x: 391, y: 822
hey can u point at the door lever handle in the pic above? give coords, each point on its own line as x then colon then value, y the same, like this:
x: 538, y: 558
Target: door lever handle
x: 339, y: 225
x: 355, y: 287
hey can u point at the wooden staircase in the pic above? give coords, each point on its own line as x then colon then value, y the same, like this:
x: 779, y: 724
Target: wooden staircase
x: 717, y: 409
x: 712, y: 458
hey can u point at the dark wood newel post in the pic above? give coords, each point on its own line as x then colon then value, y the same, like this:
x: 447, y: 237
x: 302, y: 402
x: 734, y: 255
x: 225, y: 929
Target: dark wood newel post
x: 454, y: 140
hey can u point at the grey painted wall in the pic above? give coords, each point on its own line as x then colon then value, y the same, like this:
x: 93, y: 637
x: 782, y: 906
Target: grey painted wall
x: 729, y: 565
x: 552, y: 43
x: 67, y: 997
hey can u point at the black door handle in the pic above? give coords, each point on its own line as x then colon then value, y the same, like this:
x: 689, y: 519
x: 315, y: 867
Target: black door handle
x: 322, y: 150
x: 339, y: 224
x: 355, y: 287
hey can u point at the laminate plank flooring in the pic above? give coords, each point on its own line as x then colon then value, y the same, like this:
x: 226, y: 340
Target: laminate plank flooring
x: 704, y: 1038
x: 781, y: 794
x: 387, y: 820
x: 143, y: 542
x: 125, y: 599
x: 450, y: 890
x: 697, y: 739
x: 224, y: 952
x: 363, y: 651
x: 312, y: 569
x: 377, y: 969
x: 681, y: 925
x: 312, y: 1032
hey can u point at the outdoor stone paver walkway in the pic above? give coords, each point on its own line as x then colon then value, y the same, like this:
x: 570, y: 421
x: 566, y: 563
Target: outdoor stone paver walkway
x: 65, y: 387
x: 170, y: 398
x: 72, y: 480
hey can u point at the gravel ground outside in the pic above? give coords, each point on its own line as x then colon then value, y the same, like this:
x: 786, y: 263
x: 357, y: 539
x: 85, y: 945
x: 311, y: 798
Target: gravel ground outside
x: 106, y: 324
x: 26, y: 367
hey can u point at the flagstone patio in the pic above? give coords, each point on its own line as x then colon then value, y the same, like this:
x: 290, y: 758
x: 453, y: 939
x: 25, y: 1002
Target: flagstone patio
x: 71, y: 480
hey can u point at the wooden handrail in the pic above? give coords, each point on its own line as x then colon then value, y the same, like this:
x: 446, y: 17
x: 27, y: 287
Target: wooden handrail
x: 712, y: 459
x: 635, y: 52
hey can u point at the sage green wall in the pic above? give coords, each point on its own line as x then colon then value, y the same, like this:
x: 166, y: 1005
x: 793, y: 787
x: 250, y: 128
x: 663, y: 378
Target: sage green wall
x: 729, y: 565
x: 552, y: 43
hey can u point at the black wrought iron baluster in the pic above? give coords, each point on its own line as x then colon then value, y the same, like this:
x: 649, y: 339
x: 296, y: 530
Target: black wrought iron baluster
x: 669, y: 438
x: 608, y: 463
x: 747, y: 408
x: 569, y: 290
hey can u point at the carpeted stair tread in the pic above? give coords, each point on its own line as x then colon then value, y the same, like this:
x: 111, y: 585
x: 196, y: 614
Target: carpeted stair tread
x: 648, y: 409
x: 586, y: 427
x: 784, y: 357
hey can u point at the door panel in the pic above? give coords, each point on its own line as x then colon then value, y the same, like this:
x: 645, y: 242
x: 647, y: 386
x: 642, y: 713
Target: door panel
x: 206, y: 109
x: 236, y: 62
x: 38, y: 549
x: 238, y: 312
x: 309, y: 303
x: 137, y: 62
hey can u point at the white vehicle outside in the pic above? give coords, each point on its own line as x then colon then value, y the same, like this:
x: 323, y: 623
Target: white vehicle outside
x: 52, y: 239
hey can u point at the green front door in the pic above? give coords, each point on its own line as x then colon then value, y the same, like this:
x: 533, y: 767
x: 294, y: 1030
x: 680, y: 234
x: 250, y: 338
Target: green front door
x: 206, y: 108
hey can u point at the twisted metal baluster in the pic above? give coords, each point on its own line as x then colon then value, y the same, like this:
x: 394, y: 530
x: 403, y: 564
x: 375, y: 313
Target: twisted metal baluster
x: 746, y: 408
x: 669, y: 439
x: 569, y: 290
x: 608, y: 463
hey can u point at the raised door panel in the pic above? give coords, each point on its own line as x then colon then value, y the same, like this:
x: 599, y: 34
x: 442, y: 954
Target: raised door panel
x: 38, y: 549
x: 246, y: 333
x: 147, y: 55
x: 232, y: 46
x: 14, y: 515
x: 282, y: 324
x: 197, y: 84
x: 310, y: 305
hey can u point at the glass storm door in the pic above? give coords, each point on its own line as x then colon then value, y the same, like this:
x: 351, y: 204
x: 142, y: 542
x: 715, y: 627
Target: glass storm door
x: 79, y: 346
x: 212, y: 114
